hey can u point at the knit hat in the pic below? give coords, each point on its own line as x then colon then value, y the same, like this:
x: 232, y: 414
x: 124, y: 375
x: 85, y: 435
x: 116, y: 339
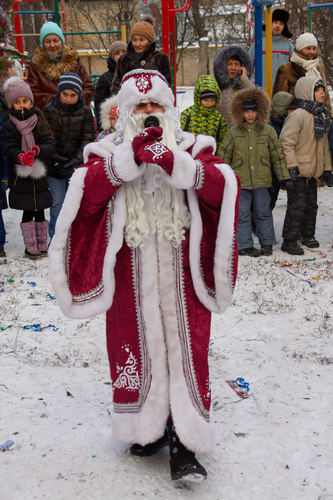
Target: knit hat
x: 144, y: 27
x: 305, y: 40
x: 280, y: 101
x: 283, y: 16
x: 51, y: 29
x: 70, y: 81
x: 250, y: 104
x: 319, y: 85
x: 15, y: 87
x: 116, y: 47
x: 208, y: 94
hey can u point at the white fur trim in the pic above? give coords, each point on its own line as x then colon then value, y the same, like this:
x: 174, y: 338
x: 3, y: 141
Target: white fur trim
x: 37, y: 170
x: 103, y: 148
x: 124, y: 164
x: 202, y: 142
x: 224, y: 245
x: 105, y: 108
x: 57, y: 271
x: 186, y: 141
x: 184, y: 170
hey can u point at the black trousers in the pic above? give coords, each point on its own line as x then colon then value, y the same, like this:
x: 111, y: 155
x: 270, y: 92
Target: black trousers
x: 302, y: 208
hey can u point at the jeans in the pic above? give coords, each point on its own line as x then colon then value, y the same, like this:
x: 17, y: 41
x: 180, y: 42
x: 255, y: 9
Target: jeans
x: 262, y: 213
x: 58, y: 188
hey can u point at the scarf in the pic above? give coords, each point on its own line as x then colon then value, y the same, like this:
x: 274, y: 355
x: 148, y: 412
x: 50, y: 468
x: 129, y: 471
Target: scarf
x: 55, y: 57
x: 321, y: 116
x: 309, y: 66
x: 25, y: 126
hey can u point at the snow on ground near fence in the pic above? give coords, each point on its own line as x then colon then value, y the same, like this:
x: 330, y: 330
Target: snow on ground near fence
x: 55, y: 388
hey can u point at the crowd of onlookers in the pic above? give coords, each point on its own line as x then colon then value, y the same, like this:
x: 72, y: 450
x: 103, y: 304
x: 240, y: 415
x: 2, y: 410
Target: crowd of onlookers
x: 47, y: 120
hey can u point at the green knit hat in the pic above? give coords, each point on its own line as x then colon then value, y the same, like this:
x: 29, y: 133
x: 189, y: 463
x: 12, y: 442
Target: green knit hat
x: 51, y: 29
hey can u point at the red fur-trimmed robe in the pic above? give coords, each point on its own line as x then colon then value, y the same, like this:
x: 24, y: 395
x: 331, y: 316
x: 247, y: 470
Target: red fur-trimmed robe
x: 158, y: 299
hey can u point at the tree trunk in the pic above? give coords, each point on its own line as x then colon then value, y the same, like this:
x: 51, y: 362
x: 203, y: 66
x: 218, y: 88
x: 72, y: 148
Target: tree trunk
x: 203, y: 63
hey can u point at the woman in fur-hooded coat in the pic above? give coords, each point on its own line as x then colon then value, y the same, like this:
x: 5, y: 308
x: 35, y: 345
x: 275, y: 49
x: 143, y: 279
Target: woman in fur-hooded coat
x: 227, y: 86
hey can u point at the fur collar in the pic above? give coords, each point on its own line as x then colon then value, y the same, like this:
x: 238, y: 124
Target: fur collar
x: 52, y: 70
x: 236, y: 105
x: 220, y: 65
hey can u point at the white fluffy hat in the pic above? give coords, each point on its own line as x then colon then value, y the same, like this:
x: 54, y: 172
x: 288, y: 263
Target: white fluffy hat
x: 305, y: 40
x: 143, y: 86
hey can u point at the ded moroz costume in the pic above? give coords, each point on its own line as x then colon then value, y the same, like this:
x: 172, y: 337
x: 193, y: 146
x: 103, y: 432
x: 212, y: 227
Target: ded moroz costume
x: 147, y: 233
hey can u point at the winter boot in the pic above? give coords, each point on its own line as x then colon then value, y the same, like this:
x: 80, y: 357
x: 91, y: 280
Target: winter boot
x: 250, y: 252
x: 41, y: 230
x: 266, y: 250
x: 310, y: 242
x: 30, y: 239
x: 151, y: 448
x: 183, y: 464
x: 291, y: 247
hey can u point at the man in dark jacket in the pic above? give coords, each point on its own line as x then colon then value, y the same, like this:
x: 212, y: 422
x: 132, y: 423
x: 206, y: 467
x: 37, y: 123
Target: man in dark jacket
x: 103, y: 88
x: 72, y: 124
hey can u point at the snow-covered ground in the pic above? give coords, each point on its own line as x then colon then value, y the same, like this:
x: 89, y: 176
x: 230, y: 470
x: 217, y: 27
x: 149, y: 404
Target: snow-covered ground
x: 276, y: 444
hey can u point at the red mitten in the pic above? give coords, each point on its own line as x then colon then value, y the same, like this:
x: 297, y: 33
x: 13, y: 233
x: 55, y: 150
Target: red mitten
x: 147, y: 135
x: 26, y: 159
x: 155, y: 152
x: 35, y: 150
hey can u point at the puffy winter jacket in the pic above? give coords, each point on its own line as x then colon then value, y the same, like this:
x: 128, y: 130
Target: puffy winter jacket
x: 149, y: 59
x: 302, y: 150
x: 73, y: 128
x: 103, y: 90
x: 200, y: 120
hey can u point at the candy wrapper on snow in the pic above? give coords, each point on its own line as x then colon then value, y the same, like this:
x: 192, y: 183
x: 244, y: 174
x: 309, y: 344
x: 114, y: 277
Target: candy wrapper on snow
x: 6, y: 445
x: 240, y: 387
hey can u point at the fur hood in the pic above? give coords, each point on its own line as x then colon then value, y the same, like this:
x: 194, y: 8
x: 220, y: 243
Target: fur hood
x: 52, y: 70
x: 105, y: 108
x: 236, y: 105
x: 220, y: 65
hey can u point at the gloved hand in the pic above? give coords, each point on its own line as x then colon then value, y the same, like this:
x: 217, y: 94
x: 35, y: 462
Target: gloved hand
x: 294, y: 173
x: 288, y: 184
x: 59, y: 161
x: 26, y: 158
x: 68, y: 168
x: 155, y: 152
x: 147, y: 135
x: 4, y: 183
x: 35, y: 150
x: 327, y: 177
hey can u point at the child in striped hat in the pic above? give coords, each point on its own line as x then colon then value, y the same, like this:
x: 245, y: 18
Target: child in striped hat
x: 72, y: 124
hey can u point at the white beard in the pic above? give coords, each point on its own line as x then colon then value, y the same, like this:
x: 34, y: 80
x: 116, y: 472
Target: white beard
x: 153, y: 206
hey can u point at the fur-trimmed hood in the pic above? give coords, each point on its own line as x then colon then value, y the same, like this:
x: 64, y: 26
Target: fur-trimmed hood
x: 220, y: 65
x: 105, y: 109
x: 51, y: 70
x: 236, y: 105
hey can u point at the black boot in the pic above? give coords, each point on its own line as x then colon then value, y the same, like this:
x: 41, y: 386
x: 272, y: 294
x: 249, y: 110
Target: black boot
x: 151, y: 448
x: 183, y: 464
x: 291, y: 247
x: 266, y: 250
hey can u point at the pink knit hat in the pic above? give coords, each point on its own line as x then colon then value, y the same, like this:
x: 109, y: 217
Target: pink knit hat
x: 15, y: 87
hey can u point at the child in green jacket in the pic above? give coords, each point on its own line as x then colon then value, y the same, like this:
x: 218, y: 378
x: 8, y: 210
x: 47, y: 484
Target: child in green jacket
x: 203, y: 117
x: 252, y: 148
